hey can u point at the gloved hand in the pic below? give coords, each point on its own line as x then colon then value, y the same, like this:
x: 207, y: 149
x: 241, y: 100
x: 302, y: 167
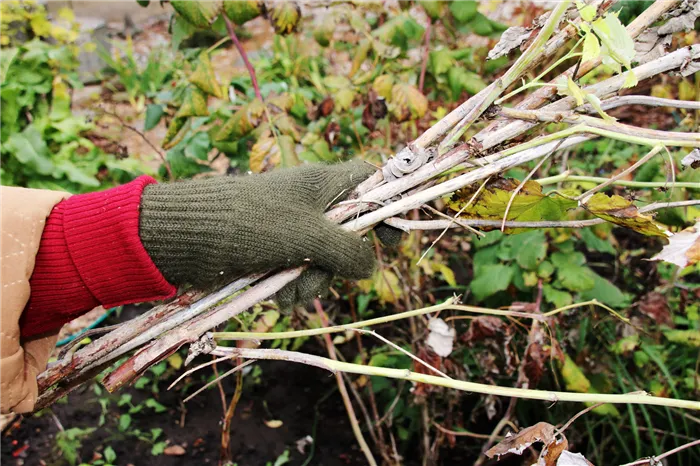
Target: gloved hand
x: 201, y: 232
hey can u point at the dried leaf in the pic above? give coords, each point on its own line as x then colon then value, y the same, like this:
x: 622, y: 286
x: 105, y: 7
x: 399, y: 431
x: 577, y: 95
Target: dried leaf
x: 269, y: 152
x: 174, y: 450
x: 441, y: 337
x: 241, y: 11
x: 655, y: 305
x: 204, y: 77
x: 618, y: 210
x: 511, y: 39
x: 518, y: 443
x: 407, y: 102
x: 198, y: 13
x: 551, y: 452
x: 484, y: 327
x: 572, y: 459
x: 692, y: 160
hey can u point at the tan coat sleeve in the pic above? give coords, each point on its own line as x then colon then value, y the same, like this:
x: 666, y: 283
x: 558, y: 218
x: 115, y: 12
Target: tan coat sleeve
x: 24, y: 212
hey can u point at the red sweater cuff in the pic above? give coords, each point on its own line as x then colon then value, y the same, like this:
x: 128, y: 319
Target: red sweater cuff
x: 90, y: 253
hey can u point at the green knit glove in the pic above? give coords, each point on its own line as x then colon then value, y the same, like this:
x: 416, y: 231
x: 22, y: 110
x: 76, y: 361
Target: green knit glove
x: 202, y: 232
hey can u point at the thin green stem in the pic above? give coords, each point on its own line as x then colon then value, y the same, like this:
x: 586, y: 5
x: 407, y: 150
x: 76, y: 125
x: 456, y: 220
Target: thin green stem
x: 566, y: 177
x: 404, y: 374
x: 447, y: 305
x: 536, y: 81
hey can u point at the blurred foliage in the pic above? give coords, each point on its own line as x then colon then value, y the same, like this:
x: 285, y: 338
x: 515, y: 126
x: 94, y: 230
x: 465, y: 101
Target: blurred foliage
x: 44, y: 145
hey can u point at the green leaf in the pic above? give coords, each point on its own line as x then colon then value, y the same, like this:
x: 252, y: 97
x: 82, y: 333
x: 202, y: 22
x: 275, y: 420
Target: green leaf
x: 490, y: 280
x: 605, y: 292
x: 198, y: 146
x: 181, y: 29
x: 530, y: 204
x: 461, y: 80
x: 571, y: 273
x: 194, y: 103
x: 155, y: 406
x: 158, y: 448
x: 532, y: 249
x: 434, y: 9
x: 481, y: 25
x: 7, y: 57
x: 361, y: 52
x: 618, y: 210
x: 124, y: 422
x: 618, y: 46
x: 440, y: 61
x: 576, y: 381
x: 463, y: 11
x: 686, y: 337
x: 242, y: 11
x: 594, y: 243
x: 591, y: 47
x: 557, y: 297
x: 343, y: 99
x: 109, y: 454
x: 30, y: 149
x: 587, y: 12
x: 199, y: 13
x: 154, y: 112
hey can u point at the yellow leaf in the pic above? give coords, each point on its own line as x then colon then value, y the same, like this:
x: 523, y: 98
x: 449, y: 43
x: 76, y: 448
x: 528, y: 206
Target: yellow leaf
x: 274, y: 423
x: 198, y: 13
x: 575, y: 91
x: 242, y: 122
x: 408, y: 102
x: 241, y: 11
x: 66, y: 14
x: 284, y: 16
x: 175, y: 361
x: 204, y: 77
x: 618, y: 210
x: 576, y: 381
x: 383, y: 85
x: 194, y: 103
x: 385, y: 284
x: 591, y: 47
x: 176, y: 131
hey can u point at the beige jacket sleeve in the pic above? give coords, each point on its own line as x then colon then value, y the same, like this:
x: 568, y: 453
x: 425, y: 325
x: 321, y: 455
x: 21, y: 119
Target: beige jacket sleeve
x: 24, y: 212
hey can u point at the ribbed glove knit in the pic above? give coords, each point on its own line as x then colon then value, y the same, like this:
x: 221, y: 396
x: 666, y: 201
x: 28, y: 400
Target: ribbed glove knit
x: 205, y: 231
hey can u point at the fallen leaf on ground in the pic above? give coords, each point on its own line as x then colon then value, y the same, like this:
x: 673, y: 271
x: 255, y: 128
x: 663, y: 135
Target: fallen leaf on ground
x: 174, y: 450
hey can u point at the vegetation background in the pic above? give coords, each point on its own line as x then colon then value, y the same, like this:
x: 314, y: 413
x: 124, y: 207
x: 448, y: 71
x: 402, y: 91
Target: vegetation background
x: 166, y: 93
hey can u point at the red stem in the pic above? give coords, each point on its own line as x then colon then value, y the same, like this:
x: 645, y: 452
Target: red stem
x: 237, y: 43
x: 426, y: 44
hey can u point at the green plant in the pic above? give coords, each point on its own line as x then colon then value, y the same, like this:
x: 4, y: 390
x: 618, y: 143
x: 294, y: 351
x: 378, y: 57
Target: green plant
x: 69, y: 441
x: 43, y: 144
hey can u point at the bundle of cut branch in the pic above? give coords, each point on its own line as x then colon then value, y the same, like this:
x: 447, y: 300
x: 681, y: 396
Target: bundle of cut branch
x: 404, y: 184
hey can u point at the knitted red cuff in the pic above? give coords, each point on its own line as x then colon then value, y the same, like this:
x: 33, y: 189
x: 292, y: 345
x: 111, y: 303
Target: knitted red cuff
x: 90, y: 253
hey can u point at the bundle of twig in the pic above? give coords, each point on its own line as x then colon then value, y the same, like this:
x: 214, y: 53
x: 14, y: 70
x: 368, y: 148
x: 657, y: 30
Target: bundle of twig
x: 164, y: 329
